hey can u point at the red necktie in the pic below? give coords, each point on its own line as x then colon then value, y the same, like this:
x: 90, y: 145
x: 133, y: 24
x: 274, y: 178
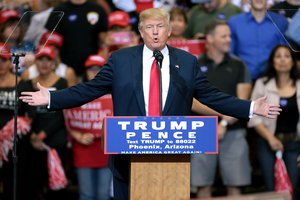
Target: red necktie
x: 154, y: 97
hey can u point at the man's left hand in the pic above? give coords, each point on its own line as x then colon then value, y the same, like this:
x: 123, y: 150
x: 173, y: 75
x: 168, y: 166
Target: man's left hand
x: 265, y: 109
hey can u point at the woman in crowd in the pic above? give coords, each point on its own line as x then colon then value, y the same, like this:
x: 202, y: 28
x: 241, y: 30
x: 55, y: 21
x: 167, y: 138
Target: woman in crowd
x: 94, y: 176
x: 48, y: 128
x: 282, y: 86
x: 178, y: 20
x: 7, y: 105
x: 12, y: 32
x: 119, y: 35
x: 56, y: 41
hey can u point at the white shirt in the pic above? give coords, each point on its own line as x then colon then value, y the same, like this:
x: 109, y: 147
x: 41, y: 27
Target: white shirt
x: 165, y: 74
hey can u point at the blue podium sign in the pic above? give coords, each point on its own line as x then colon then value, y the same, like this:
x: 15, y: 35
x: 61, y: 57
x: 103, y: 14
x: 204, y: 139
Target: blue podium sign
x: 161, y: 135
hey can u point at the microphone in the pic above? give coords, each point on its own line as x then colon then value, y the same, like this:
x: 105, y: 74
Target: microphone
x: 20, y: 54
x: 158, y: 57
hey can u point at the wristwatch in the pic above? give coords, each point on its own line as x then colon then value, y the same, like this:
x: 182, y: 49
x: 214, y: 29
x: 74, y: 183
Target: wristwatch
x: 223, y: 123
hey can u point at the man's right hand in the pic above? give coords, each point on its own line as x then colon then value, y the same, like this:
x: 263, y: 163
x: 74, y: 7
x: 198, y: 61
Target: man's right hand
x: 38, y: 98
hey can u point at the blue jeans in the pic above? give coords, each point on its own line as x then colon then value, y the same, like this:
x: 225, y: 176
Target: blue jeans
x: 94, y: 183
x: 266, y: 158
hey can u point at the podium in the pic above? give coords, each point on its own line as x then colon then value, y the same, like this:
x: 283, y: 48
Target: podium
x: 160, y: 149
x: 158, y: 177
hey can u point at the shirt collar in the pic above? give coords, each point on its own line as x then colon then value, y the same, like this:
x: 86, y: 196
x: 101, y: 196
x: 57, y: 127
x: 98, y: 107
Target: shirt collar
x: 209, y: 60
x: 206, y: 58
x: 251, y: 17
x: 148, y: 53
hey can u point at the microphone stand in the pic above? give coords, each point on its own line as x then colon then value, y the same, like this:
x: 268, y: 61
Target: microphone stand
x: 16, y: 61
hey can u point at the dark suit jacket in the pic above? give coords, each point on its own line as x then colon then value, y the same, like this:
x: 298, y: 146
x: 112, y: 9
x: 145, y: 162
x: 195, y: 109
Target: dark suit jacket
x: 122, y: 77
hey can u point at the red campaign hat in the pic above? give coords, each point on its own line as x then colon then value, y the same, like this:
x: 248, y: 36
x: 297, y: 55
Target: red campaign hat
x: 47, y: 51
x: 8, y: 14
x: 55, y: 39
x: 143, y: 5
x: 94, y: 60
x: 118, y: 18
x: 4, y: 51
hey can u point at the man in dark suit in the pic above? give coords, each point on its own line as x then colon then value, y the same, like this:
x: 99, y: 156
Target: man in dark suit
x: 127, y: 77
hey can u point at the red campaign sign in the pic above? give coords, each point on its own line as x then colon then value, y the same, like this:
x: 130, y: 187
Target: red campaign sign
x: 89, y: 117
x: 195, y: 47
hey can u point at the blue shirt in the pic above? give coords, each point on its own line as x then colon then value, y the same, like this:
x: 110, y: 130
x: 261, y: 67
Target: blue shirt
x: 253, y: 41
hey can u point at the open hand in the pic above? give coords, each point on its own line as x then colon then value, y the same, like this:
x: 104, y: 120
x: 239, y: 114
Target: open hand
x: 265, y: 109
x: 38, y: 98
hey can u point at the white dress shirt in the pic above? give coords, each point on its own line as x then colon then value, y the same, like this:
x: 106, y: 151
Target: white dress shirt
x: 165, y: 74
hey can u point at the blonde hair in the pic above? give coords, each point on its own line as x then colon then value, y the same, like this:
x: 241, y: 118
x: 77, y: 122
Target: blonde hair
x: 154, y: 13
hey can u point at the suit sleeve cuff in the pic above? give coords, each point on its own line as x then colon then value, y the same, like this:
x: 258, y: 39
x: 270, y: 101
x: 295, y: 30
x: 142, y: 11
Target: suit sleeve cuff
x: 49, y: 98
x: 250, y: 112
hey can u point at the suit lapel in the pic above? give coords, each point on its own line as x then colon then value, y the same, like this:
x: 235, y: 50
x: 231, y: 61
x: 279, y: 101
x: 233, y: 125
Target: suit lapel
x: 137, y: 72
x: 173, y: 81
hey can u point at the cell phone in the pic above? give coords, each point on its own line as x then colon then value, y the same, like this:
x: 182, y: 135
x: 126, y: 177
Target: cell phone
x: 120, y: 38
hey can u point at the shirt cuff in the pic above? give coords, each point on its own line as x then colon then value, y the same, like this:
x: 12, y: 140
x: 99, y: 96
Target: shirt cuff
x: 250, y: 112
x: 49, y: 98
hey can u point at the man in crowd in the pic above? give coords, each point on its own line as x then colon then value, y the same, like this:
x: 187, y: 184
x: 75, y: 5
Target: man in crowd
x: 205, y: 12
x: 254, y: 34
x: 230, y: 75
x: 83, y: 27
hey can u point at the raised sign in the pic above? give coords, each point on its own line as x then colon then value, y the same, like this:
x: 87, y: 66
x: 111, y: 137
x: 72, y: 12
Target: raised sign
x: 195, y: 47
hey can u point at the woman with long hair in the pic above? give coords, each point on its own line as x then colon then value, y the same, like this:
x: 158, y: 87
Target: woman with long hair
x: 282, y: 86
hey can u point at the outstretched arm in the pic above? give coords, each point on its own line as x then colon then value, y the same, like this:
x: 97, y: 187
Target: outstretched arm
x: 38, y: 98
